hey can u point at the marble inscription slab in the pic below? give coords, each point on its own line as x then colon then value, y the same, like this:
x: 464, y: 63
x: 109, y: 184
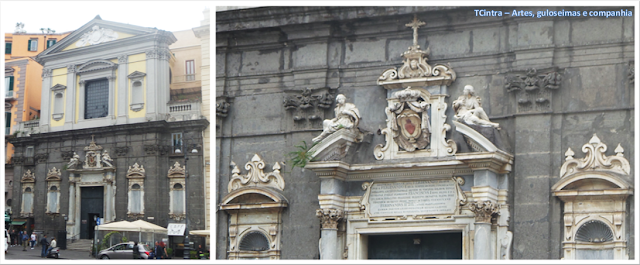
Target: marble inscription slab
x: 425, y: 197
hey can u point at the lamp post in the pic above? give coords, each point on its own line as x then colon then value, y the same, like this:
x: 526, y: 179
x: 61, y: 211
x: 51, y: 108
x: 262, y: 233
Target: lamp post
x: 185, y: 254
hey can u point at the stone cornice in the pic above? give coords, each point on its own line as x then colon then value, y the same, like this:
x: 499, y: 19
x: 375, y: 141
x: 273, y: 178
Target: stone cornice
x: 461, y: 164
x: 153, y: 126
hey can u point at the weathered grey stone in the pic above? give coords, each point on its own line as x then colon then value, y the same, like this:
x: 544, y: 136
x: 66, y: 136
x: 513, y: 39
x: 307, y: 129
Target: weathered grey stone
x: 364, y: 51
x: 535, y: 33
x: 596, y: 29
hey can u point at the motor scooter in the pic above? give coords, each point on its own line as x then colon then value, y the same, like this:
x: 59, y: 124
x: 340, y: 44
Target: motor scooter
x: 54, y: 253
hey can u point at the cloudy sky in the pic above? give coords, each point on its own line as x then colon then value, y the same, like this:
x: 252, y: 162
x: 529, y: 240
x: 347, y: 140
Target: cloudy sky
x: 63, y: 16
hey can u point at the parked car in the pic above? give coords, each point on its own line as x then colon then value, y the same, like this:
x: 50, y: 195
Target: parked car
x: 7, y: 241
x: 122, y: 251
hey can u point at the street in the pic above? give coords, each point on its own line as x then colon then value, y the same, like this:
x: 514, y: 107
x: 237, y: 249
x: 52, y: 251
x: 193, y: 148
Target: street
x: 17, y: 253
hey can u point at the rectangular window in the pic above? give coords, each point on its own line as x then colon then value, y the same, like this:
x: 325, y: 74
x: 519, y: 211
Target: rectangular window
x: 190, y: 67
x: 27, y: 201
x: 7, y: 125
x: 96, y: 101
x: 52, y: 205
x: 51, y: 43
x: 8, y: 83
x: 176, y: 142
x: 178, y: 201
x: 29, y: 152
x: 33, y: 45
x: 7, y: 48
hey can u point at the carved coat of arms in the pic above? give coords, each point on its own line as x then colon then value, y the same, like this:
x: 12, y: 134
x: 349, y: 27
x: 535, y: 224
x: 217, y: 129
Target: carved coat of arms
x: 409, y: 120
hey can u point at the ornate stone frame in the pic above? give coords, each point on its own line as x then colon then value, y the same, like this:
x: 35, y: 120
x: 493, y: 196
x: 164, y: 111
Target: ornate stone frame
x: 135, y: 175
x: 176, y: 175
x: 53, y: 179
x: 594, y: 188
x: 93, y: 70
x: 258, y: 197
x: 28, y: 180
x: 58, y: 89
x: 135, y: 104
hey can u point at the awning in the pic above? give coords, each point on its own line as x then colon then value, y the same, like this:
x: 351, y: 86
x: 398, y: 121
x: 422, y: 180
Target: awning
x: 200, y: 232
x: 18, y: 222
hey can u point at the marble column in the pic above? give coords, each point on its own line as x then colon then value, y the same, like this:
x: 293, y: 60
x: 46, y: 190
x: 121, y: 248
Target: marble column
x: 72, y: 204
x: 482, y: 239
x: 329, y: 234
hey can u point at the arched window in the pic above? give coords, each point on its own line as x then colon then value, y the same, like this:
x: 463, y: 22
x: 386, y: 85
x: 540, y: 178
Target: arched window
x: 53, y: 197
x: 177, y: 197
x: 27, y: 200
x: 135, y: 199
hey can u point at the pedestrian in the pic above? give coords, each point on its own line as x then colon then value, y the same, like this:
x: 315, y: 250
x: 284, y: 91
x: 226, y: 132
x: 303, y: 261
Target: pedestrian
x: 44, y: 243
x: 157, y: 251
x: 164, y: 250
x: 33, y: 239
x: 20, y: 238
x: 25, y: 241
x: 200, y: 252
x: 136, y: 250
x: 52, y: 245
x: 13, y: 237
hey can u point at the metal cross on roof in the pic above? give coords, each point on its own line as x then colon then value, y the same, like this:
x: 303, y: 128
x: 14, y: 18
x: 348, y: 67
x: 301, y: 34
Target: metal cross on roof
x: 415, y: 24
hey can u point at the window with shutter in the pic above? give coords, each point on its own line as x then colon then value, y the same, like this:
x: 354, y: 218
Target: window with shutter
x: 7, y: 48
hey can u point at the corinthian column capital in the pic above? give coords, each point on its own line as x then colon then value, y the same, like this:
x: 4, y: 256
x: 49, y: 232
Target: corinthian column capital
x: 484, y: 210
x: 329, y: 218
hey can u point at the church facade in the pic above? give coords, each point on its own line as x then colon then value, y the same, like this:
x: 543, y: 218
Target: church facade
x: 109, y: 143
x: 424, y: 133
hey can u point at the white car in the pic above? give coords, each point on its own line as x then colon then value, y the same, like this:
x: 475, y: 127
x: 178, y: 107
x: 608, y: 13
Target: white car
x: 7, y: 241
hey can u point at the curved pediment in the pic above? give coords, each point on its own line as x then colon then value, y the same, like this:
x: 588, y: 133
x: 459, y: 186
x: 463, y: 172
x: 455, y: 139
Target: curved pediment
x: 477, y: 141
x: 253, y: 197
x: 95, y: 65
x: 590, y: 181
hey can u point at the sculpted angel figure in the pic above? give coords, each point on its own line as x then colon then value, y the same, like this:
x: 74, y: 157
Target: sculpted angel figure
x: 347, y: 116
x: 73, y: 162
x: 468, y: 109
x: 106, y: 159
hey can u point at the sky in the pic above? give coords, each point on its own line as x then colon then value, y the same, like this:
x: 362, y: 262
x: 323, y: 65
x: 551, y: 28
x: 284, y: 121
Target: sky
x: 63, y: 16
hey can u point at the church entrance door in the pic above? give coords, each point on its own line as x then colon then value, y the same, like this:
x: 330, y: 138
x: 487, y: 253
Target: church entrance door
x: 416, y: 246
x: 91, y: 204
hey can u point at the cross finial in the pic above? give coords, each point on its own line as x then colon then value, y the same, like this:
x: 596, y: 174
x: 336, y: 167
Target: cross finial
x: 415, y: 24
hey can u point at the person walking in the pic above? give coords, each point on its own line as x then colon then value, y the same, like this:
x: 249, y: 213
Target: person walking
x: 44, y: 243
x: 20, y: 238
x: 25, y: 241
x: 164, y: 250
x: 136, y: 250
x: 200, y: 252
x: 33, y: 239
x: 13, y: 237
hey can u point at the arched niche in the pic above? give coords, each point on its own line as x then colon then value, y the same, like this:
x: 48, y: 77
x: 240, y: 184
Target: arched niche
x: 255, y: 220
x: 594, y: 207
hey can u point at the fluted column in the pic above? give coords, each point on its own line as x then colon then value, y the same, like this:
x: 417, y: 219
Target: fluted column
x: 329, y: 235
x: 71, y: 221
x: 482, y: 240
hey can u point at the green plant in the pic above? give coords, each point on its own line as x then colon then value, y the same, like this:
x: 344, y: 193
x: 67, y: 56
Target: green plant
x: 105, y: 240
x: 301, y: 156
x: 193, y: 254
x: 16, y: 132
x: 124, y: 239
x: 170, y: 252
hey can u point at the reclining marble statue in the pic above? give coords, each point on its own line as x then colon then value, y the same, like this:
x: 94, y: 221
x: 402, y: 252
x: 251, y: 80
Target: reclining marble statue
x: 469, y: 109
x: 347, y: 117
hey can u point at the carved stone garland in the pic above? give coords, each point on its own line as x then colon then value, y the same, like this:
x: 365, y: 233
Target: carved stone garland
x: 256, y: 176
x: 533, y: 90
x: 309, y: 105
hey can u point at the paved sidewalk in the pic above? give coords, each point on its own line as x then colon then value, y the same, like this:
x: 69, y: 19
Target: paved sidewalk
x: 17, y: 253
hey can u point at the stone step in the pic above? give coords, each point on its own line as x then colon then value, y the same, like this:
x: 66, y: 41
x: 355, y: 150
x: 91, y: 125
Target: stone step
x: 80, y: 244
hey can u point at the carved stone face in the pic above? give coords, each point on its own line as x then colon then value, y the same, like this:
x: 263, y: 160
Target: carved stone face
x: 468, y: 90
x: 414, y: 64
x: 341, y: 99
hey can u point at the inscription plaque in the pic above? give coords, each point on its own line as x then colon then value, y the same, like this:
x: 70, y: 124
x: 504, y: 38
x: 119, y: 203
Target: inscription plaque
x: 425, y: 197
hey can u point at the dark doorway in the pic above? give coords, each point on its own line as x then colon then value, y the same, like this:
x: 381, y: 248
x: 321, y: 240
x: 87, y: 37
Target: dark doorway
x: 91, y: 205
x: 416, y: 246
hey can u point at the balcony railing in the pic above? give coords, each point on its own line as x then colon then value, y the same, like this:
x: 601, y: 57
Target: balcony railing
x: 184, y: 111
x: 185, y: 78
x: 26, y: 128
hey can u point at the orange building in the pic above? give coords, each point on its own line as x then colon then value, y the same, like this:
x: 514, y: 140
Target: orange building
x: 23, y: 88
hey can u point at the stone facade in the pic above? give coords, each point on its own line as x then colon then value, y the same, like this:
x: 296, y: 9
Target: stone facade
x: 550, y: 83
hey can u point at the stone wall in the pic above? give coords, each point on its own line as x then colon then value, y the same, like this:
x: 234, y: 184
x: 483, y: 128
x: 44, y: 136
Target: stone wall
x: 262, y: 54
x: 137, y: 139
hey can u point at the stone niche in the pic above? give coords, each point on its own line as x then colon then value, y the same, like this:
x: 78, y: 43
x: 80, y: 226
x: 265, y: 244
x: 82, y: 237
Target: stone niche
x: 594, y: 190
x: 255, y: 204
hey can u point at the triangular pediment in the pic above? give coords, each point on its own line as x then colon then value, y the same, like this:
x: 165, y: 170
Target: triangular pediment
x: 98, y: 32
x: 136, y: 74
